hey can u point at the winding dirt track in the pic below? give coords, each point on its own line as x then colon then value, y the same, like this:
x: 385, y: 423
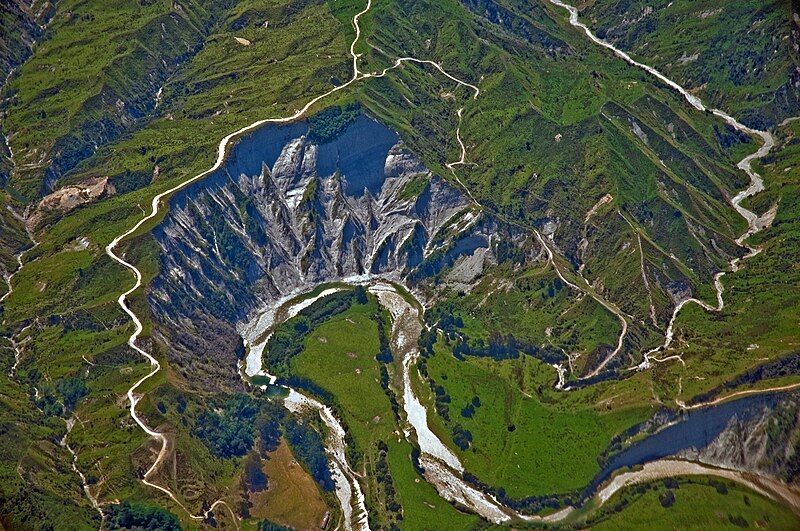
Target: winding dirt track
x: 737, y: 394
x: 157, y: 203
x: 754, y: 223
x: 667, y: 467
x: 155, y: 208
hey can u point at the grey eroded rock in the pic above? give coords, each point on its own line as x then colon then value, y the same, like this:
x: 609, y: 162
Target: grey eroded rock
x: 285, y: 214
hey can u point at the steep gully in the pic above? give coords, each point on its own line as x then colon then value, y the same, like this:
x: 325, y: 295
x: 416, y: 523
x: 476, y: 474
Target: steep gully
x: 86, y: 490
x: 17, y: 344
x: 155, y: 206
x: 357, y: 75
x: 667, y: 467
x: 754, y: 223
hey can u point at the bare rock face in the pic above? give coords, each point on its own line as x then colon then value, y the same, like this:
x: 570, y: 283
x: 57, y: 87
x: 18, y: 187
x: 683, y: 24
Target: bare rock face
x: 766, y: 443
x: 285, y: 214
x: 741, y: 446
x: 71, y: 197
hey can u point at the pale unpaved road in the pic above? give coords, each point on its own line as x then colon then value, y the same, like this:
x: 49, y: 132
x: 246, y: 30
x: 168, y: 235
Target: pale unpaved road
x: 756, y: 186
x: 756, y: 182
x: 155, y: 208
x: 737, y: 394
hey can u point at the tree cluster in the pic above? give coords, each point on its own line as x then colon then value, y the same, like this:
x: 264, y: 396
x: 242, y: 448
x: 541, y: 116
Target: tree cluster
x: 332, y: 122
x: 306, y: 444
x: 127, y: 515
x: 231, y: 432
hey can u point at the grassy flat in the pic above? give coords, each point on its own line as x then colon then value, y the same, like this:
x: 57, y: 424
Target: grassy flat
x: 697, y: 506
x: 339, y: 356
x: 554, y: 443
x: 292, y: 497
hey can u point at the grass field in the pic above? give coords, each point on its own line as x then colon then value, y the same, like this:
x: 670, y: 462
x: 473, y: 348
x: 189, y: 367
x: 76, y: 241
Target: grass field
x: 552, y: 314
x: 292, y: 497
x: 340, y: 356
x: 525, y: 439
x: 422, y: 506
x: 697, y: 505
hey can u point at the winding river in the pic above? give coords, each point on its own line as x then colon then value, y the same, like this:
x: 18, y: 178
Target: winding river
x: 692, y: 430
x: 348, y: 491
x: 443, y: 469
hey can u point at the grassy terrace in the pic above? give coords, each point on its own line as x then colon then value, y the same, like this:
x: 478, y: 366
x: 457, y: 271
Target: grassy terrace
x: 538, y: 78
x: 292, y: 497
x: 692, y: 503
x: 551, y: 312
x: 340, y: 356
x: 526, y: 438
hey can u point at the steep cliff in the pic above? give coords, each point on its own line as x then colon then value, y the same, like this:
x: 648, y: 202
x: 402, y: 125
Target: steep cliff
x: 767, y: 443
x: 285, y: 214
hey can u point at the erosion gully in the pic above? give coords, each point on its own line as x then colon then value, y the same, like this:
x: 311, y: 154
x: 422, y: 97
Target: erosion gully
x: 443, y: 469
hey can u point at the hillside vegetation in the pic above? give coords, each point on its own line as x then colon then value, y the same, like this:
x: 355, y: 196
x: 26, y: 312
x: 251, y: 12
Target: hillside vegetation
x: 625, y: 183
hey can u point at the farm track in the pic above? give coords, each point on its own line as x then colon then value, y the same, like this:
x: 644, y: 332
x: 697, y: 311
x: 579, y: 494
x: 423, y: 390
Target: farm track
x: 754, y: 223
x: 158, y: 203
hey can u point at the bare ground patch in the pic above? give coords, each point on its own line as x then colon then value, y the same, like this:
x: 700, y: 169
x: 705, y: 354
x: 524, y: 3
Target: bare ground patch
x: 292, y: 497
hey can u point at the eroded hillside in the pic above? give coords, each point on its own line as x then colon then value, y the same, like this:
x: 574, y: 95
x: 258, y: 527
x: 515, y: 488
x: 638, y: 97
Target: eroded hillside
x: 547, y: 203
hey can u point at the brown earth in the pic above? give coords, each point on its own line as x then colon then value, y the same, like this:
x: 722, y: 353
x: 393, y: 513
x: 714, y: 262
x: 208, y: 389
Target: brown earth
x: 292, y: 497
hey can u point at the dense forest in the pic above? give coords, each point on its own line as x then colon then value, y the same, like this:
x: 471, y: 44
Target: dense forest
x: 231, y: 432
x: 127, y: 515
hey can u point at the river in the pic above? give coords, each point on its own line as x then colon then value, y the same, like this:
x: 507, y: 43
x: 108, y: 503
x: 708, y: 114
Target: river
x: 442, y: 466
x: 444, y: 470
x: 256, y: 336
